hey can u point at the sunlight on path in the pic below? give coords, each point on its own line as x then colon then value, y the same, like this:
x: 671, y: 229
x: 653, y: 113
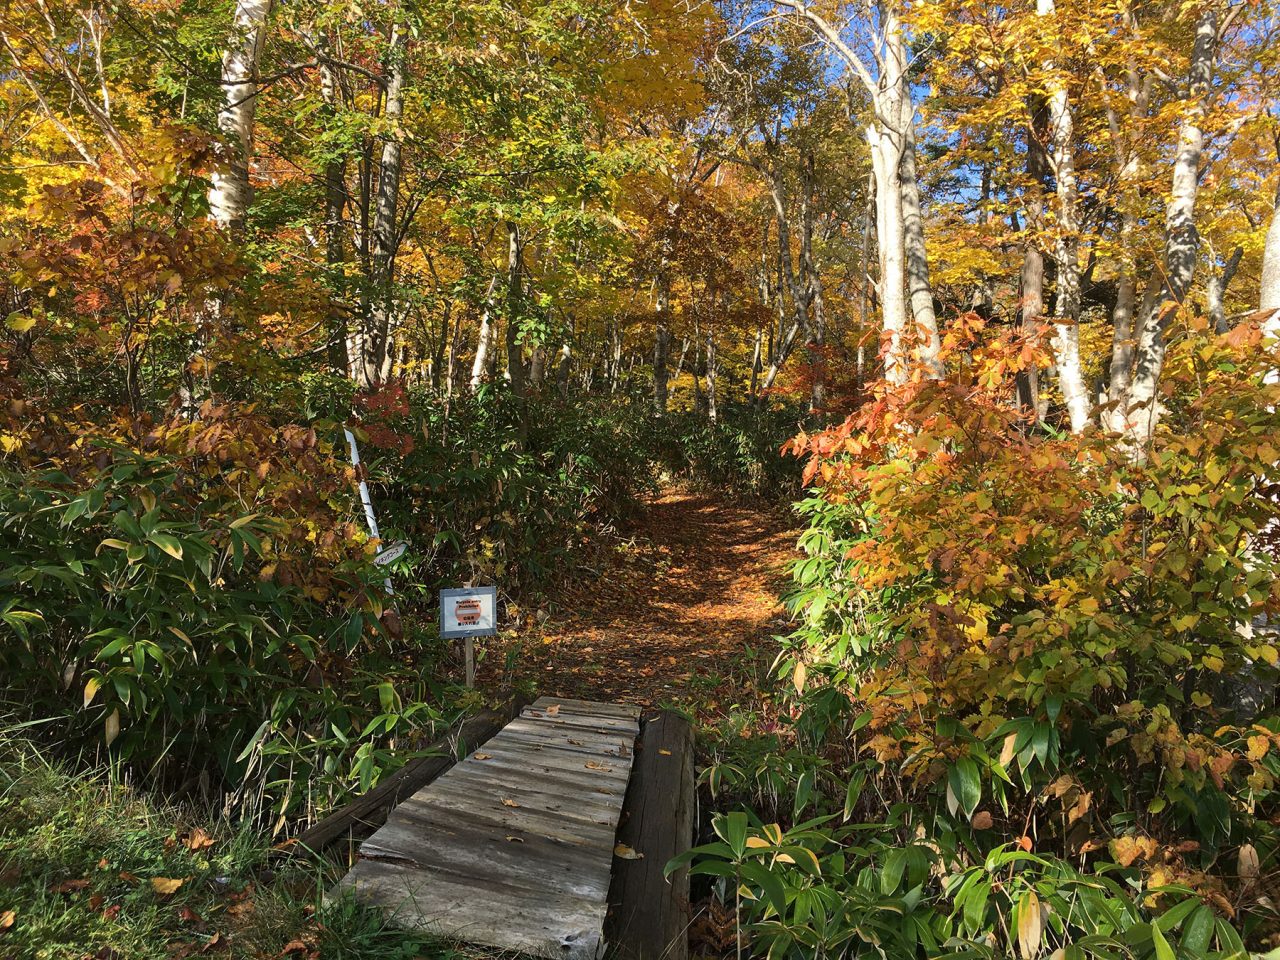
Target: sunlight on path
x: 664, y: 620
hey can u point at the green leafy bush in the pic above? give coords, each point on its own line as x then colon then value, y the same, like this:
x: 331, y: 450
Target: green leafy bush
x: 202, y: 630
x: 739, y: 453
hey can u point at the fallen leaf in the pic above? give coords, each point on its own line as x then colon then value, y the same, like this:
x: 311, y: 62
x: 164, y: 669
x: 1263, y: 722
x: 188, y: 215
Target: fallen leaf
x: 1247, y: 863
x: 293, y: 946
x: 111, y: 912
x: 665, y: 753
x: 7, y: 919
x: 516, y: 839
x: 166, y: 885
x: 481, y: 756
x: 102, y: 864
x: 128, y: 877
x: 553, y: 710
x: 199, y: 840
x: 623, y: 852
x: 510, y: 803
x: 285, y: 844
x: 592, y: 765
x: 187, y: 915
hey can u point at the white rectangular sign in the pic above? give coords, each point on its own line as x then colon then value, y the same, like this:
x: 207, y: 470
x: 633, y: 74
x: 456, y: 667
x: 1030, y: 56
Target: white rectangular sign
x: 469, y: 612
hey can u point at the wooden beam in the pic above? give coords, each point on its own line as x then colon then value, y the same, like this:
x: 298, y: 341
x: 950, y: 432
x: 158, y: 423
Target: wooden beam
x: 649, y: 915
x: 366, y: 813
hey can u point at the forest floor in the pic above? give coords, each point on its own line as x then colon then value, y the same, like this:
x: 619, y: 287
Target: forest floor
x: 679, y: 612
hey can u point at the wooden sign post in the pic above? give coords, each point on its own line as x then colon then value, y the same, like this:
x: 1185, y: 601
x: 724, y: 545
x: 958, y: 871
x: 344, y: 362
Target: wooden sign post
x: 467, y: 613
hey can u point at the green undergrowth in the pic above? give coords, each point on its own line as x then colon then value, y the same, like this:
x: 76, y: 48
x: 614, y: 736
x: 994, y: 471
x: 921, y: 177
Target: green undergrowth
x: 91, y: 867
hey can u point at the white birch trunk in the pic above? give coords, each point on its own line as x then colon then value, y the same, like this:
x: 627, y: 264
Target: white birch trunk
x: 1269, y: 292
x: 1182, y: 244
x: 229, y: 191
x: 1066, y: 247
x: 484, y: 345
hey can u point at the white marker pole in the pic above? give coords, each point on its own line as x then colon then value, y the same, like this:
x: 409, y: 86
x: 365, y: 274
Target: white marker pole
x: 364, y: 496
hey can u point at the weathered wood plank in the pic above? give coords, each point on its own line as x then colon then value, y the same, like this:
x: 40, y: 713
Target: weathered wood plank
x: 649, y: 915
x: 620, y: 711
x: 583, y: 721
x: 550, y: 926
x: 513, y: 847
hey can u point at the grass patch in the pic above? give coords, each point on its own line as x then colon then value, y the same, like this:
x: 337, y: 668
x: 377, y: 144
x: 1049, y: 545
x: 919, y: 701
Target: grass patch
x: 92, y: 868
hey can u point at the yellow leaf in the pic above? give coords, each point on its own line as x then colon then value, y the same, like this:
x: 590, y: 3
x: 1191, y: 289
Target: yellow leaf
x: 111, y: 728
x: 799, y: 676
x: 509, y: 803
x: 1029, y: 930
x: 166, y: 885
x: 6, y: 919
x: 623, y: 852
x: 755, y: 843
x: 91, y: 690
x: 19, y: 323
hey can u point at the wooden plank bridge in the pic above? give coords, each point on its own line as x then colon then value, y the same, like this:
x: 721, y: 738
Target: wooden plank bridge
x: 513, y: 847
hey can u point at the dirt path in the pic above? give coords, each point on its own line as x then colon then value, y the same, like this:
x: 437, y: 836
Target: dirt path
x: 673, y: 614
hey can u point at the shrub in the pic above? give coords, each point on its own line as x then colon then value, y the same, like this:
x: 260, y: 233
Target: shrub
x: 1023, y: 652
x: 196, y: 603
x: 740, y: 453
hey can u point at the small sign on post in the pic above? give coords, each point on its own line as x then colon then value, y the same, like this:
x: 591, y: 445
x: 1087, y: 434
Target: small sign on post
x: 467, y: 613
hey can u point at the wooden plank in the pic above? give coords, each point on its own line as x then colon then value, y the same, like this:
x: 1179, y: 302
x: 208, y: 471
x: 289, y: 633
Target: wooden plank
x: 513, y: 847
x: 551, y: 926
x: 649, y: 915
x: 617, y: 711
x: 584, y: 721
x: 369, y: 811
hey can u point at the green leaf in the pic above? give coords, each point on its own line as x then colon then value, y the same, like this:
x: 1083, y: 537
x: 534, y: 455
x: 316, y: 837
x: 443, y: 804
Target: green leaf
x: 1163, y: 950
x: 168, y: 544
x: 1198, y: 931
x: 966, y: 785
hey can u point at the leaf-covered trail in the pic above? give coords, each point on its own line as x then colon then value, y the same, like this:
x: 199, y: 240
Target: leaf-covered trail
x: 668, y: 615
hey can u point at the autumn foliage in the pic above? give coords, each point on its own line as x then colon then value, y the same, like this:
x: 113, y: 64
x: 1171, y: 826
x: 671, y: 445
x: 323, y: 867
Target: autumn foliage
x: 1046, y: 640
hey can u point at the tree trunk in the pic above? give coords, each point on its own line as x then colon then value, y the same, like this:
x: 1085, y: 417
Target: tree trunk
x: 563, y: 368
x: 1032, y: 281
x: 484, y: 345
x: 885, y: 162
x: 375, y: 365
x: 917, y: 259
x: 1217, y: 290
x: 755, y: 362
x: 1066, y: 247
x: 335, y: 201
x: 1182, y: 244
x: 1269, y: 294
x: 517, y: 369
x: 229, y: 191
x: 661, y: 347
x: 711, y: 376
